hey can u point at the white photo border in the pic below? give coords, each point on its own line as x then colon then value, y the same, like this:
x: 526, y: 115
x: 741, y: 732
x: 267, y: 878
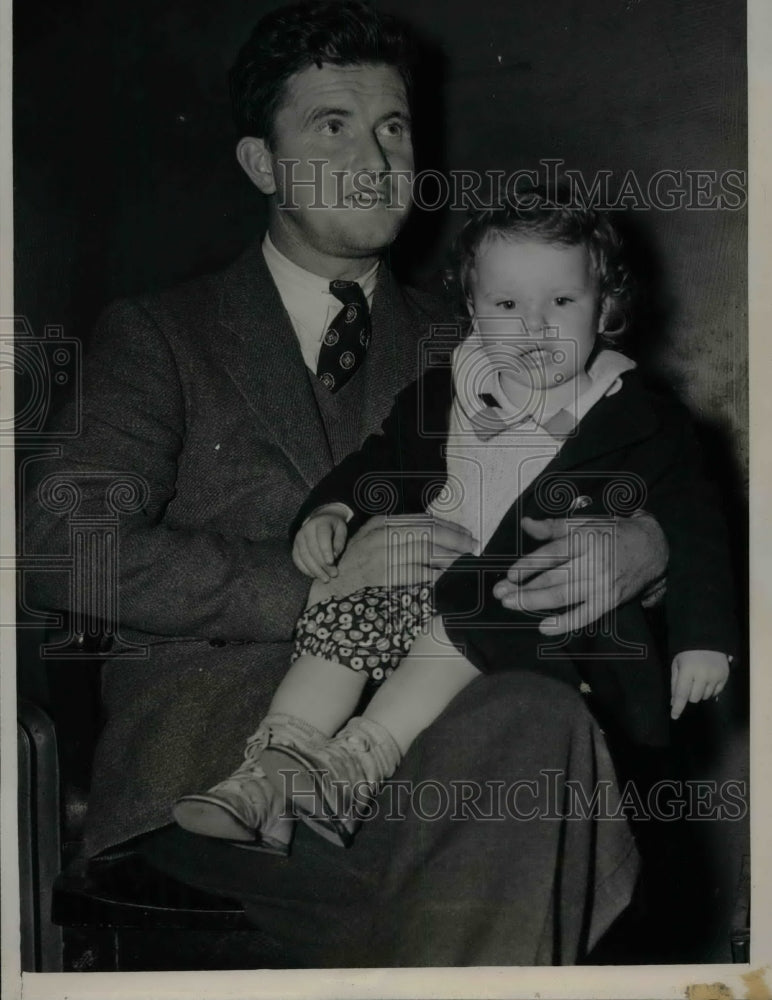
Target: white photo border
x: 753, y: 980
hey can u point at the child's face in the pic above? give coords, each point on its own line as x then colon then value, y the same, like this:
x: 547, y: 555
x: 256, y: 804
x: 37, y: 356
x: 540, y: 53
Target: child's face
x: 537, y: 306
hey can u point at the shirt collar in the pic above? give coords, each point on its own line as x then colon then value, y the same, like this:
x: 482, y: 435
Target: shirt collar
x: 605, y: 374
x: 296, y: 284
x: 479, y: 394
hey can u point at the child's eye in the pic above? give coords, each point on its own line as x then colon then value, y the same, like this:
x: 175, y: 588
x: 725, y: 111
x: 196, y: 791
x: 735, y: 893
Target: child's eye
x: 506, y: 304
x: 562, y: 300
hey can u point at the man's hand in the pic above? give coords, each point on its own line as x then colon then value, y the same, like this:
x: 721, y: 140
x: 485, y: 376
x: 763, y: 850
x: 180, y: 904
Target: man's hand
x: 397, y: 551
x: 696, y: 675
x: 319, y: 541
x: 586, y: 581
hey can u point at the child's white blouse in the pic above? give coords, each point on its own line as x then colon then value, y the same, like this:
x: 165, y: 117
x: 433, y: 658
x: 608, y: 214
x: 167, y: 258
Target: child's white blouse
x: 494, y: 452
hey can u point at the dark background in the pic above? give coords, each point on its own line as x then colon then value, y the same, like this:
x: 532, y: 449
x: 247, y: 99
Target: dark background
x: 125, y: 181
x: 126, y: 178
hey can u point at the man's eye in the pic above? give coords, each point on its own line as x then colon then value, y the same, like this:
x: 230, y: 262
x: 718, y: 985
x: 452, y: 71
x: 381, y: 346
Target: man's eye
x: 331, y: 127
x: 394, y: 130
x: 562, y: 300
x: 506, y: 304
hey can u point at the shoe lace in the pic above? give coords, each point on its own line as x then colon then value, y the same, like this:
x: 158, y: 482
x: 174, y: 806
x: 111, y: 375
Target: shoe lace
x: 256, y: 743
x: 357, y: 743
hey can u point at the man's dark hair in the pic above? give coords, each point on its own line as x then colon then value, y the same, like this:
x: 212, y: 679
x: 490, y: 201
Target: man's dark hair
x: 290, y: 39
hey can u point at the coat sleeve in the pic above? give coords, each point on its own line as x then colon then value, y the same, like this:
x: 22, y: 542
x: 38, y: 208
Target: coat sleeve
x: 700, y: 606
x: 390, y: 473
x: 171, y: 582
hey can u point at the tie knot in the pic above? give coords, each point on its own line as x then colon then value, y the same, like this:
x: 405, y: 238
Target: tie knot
x: 348, y: 292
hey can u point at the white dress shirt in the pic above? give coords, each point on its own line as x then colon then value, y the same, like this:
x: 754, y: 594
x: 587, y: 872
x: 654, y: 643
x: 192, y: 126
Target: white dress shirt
x: 308, y: 300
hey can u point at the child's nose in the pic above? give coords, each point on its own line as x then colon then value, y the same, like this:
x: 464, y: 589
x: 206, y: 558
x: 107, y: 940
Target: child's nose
x: 534, y: 321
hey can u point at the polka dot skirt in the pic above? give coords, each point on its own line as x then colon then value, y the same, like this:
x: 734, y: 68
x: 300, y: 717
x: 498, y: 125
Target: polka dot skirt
x: 371, y: 629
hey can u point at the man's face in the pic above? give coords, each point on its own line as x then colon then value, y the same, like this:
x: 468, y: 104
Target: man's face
x: 355, y: 120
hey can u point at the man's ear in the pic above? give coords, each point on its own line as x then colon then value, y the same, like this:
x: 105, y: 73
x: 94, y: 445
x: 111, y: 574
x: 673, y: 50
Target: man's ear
x: 256, y: 161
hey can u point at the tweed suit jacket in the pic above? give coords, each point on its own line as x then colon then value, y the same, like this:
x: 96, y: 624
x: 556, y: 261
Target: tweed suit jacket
x: 200, y: 395
x: 634, y: 449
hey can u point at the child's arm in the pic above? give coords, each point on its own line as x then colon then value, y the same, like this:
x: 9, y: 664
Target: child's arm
x: 324, y: 522
x: 699, y: 603
x: 384, y: 474
x: 696, y: 675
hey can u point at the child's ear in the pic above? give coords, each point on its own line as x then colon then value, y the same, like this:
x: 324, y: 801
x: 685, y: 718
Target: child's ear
x: 612, y: 321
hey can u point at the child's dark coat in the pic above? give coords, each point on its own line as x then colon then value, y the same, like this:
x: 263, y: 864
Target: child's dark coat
x: 634, y: 449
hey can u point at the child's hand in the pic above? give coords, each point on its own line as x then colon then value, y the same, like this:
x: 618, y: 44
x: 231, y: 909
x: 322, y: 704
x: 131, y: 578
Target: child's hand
x: 318, y: 544
x: 696, y: 675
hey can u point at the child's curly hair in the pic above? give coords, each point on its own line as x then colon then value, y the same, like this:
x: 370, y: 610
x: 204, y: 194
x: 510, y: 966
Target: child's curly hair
x: 532, y: 214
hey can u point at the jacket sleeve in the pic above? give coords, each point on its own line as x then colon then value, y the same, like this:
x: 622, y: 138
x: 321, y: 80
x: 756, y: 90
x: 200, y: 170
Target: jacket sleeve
x: 171, y: 581
x: 387, y: 475
x: 700, y: 606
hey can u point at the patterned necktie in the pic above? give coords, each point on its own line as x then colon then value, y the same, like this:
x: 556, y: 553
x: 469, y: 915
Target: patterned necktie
x: 345, y: 343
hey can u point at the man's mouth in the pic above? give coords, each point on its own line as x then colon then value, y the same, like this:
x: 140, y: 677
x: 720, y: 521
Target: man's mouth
x: 367, y: 199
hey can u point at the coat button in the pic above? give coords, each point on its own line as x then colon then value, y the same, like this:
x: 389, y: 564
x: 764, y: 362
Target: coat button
x: 579, y: 503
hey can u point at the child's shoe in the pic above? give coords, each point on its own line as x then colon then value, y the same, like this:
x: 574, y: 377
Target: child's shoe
x: 247, y: 806
x: 345, y: 772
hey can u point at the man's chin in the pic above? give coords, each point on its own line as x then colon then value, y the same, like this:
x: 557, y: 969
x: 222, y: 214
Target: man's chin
x: 366, y: 236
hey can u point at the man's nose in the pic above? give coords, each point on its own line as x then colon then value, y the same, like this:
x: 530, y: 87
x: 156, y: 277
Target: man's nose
x: 371, y: 157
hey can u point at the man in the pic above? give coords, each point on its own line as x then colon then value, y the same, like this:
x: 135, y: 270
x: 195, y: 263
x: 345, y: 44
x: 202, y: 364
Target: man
x: 223, y: 402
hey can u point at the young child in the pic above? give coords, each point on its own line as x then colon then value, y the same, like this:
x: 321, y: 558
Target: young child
x: 534, y: 413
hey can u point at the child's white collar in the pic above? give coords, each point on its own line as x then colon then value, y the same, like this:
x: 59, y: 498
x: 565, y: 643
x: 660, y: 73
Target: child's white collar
x: 477, y: 385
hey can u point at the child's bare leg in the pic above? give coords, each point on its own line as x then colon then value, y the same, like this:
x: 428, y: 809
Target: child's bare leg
x: 320, y: 692
x: 316, y: 696
x: 324, y: 695
x: 332, y: 780
x: 421, y: 687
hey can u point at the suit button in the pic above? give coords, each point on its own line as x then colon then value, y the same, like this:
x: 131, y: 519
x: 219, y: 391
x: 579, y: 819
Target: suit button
x: 218, y: 643
x: 579, y: 503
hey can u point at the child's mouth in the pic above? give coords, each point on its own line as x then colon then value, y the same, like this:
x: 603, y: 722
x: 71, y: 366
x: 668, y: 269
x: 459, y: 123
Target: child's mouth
x: 535, y: 354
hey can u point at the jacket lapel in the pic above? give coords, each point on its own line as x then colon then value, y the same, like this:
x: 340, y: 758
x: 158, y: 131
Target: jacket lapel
x: 262, y: 356
x: 614, y: 423
x: 394, y: 355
